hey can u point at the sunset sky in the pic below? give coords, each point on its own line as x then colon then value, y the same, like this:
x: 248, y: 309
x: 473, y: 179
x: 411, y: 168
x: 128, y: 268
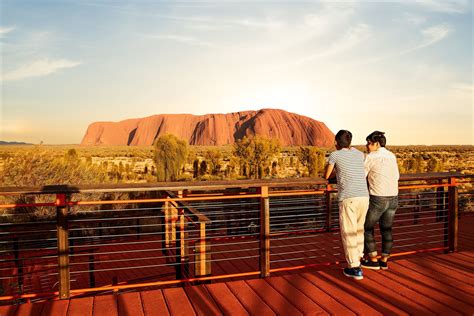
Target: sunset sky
x: 404, y: 67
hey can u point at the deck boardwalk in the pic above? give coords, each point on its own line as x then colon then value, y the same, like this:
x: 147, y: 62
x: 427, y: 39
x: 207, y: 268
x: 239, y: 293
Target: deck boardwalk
x: 428, y: 284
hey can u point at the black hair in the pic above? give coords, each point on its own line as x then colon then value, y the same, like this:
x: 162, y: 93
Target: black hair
x: 344, y: 138
x: 377, y: 137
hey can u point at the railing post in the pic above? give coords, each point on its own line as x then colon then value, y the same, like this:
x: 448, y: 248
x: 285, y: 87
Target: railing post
x: 91, y: 271
x: 171, y: 216
x: 417, y: 209
x: 19, y: 264
x: 165, y: 243
x: 63, y: 246
x: 174, y: 213
x: 453, y: 215
x: 202, y: 266
x: 264, y: 232
x: 440, y: 202
x: 182, y: 258
x: 329, y: 202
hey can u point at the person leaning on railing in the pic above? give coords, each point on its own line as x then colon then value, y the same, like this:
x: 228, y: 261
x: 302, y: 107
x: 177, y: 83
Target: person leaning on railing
x: 353, y: 198
x: 382, y: 175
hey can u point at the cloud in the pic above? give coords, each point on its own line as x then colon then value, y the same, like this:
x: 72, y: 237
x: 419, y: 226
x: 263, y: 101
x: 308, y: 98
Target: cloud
x: 430, y: 36
x: 181, y: 39
x: 267, y: 24
x: 446, y: 6
x: 39, y: 68
x: 413, y: 19
x: 5, y: 30
x: 355, y: 35
x: 433, y: 35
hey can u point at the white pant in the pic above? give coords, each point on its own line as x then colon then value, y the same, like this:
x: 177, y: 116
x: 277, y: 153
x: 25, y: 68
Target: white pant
x: 352, y: 213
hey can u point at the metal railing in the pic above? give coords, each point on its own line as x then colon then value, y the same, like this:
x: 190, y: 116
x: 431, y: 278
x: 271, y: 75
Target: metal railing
x: 63, y: 241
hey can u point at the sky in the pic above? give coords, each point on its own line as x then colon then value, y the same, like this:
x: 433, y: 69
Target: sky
x: 403, y: 67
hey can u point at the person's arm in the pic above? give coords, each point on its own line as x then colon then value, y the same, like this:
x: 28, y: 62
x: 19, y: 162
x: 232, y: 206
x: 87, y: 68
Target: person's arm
x: 367, y: 164
x: 329, y: 172
x: 330, y: 166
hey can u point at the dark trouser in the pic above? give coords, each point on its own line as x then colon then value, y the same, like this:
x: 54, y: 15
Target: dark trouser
x: 381, y: 209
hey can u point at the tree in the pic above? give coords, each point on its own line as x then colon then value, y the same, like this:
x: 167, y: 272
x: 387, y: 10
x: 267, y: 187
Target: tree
x: 196, y: 168
x: 202, y: 168
x: 312, y: 158
x: 170, y: 156
x: 256, y: 153
x: 213, y: 158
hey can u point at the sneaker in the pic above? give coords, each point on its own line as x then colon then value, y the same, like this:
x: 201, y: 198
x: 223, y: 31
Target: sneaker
x: 355, y: 273
x: 383, y: 265
x: 369, y: 264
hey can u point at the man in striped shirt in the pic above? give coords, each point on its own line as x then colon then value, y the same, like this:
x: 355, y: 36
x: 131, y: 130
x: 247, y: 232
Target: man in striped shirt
x: 353, y: 198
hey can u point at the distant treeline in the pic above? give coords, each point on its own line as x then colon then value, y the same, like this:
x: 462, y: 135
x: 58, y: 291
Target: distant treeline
x: 171, y: 159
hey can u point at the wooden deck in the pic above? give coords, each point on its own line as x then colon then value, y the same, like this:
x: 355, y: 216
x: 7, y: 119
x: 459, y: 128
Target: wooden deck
x: 423, y: 284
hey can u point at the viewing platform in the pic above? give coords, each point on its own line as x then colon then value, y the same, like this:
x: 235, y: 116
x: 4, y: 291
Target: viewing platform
x: 229, y: 247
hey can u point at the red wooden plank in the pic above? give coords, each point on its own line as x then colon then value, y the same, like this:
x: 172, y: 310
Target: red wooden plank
x: 130, y: 304
x: 202, y: 301
x: 56, y: 308
x: 318, y: 296
x: 105, y: 305
x: 8, y: 310
x: 461, y: 286
x: 226, y: 300
x: 442, y: 270
x: 177, y: 301
x: 295, y: 296
x: 81, y: 306
x: 469, y: 255
x: 273, y: 298
x: 453, y: 261
x: 440, y: 284
x: 29, y: 309
x: 340, y: 294
x: 248, y: 298
x: 429, y: 305
x: 448, y: 304
x: 373, y: 299
x: 154, y: 303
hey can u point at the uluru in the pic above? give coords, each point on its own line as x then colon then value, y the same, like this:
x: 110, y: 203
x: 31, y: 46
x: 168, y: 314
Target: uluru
x: 212, y: 129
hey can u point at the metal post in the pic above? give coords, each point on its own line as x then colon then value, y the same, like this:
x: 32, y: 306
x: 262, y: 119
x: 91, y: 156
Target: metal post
x: 453, y: 215
x: 19, y: 264
x: 417, y: 209
x: 440, y: 202
x: 63, y: 246
x: 264, y: 232
x: 91, y: 271
x: 329, y: 201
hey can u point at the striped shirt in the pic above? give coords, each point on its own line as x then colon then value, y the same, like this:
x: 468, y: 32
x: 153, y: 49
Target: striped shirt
x: 382, y: 172
x: 350, y: 173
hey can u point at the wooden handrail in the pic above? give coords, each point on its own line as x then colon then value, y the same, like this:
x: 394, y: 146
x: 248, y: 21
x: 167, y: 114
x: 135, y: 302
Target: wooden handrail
x: 200, y: 216
x: 200, y: 185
